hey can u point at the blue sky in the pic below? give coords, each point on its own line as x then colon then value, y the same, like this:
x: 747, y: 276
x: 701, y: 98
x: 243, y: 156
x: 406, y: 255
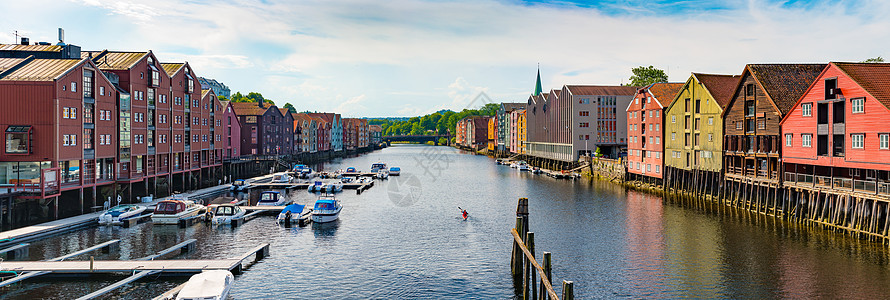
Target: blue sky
x: 405, y: 58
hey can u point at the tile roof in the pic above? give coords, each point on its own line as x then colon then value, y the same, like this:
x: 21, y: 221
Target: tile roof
x: 17, y: 47
x: 327, y: 117
x: 172, y: 68
x: 41, y: 70
x: 284, y: 111
x: 720, y: 86
x: 665, y: 92
x: 785, y: 83
x: 8, y: 63
x: 511, y: 106
x: 602, y: 90
x: 873, y: 77
x: 108, y: 60
x: 249, y: 108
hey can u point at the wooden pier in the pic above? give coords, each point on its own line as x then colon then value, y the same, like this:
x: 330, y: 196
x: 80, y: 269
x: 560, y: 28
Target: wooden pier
x: 524, y: 266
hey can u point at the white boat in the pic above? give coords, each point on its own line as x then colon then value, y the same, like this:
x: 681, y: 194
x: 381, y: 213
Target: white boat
x: 382, y: 174
x: 377, y: 167
x: 173, y: 210
x: 316, y: 186
x: 224, y: 213
x: 280, y: 178
x: 522, y: 166
x: 394, y: 171
x: 272, y: 198
x: 207, y: 285
x: 294, y: 213
x: 327, y: 209
x: 118, y: 214
x: 333, y: 187
x: 240, y: 185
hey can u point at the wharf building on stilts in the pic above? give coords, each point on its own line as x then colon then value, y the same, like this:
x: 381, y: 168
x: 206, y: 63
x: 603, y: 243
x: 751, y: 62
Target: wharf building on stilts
x: 693, y: 133
x: 645, y: 131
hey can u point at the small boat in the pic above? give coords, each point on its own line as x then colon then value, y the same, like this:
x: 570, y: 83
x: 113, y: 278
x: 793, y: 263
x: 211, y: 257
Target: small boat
x: 377, y: 167
x: 224, y: 213
x: 327, y: 209
x: 272, y: 198
x: 240, y: 185
x: 175, y: 209
x: 351, y: 170
x: 522, y: 166
x: 207, y: 285
x: 315, y: 186
x: 118, y: 214
x: 347, y: 180
x: 394, y: 171
x: 333, y: 187
x: 294, y: 214
x: 280, y: 178
x: 382, y: 174
x: 537, y: 170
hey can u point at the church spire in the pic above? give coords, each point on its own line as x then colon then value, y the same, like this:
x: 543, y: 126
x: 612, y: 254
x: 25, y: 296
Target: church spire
x: 538, y: 89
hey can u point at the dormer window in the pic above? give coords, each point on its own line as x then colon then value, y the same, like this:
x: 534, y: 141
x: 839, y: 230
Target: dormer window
x: 831, y: 89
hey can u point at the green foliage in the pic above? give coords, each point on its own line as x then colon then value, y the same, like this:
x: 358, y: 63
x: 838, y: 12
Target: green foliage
x: 290, y: 108
x: 252, y: 97
x: 441, y: 122
x: 643, y: 76
x: 222, y: 98
x: 874, y: 60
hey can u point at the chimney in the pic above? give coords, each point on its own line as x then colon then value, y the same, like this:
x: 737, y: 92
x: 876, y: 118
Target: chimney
x: 25, y: 41
x: 260, y: 103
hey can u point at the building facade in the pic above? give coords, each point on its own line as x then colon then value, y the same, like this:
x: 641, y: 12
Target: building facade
x: 645, y: 128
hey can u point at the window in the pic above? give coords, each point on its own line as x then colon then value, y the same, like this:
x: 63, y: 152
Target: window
x: 710, y: 137
x: 806, y: 109
x: 88, y: 84
x: 584, y: 101
x: 885, y: 140
x: 102, y: 91
x: 88, y: 139
x: 788, y: 138
x: 806, y: 140
x: 673, y: 136
x: 584, y: 113
x: 73, y: 87
x: 673, y: 119
x: 858, y: 105
x: 831, y: 88
x: 749, y: 89
x: 584, y: 125
x: 17, y: 139
x: 738, y: 125
x: 657, y: 127
x: 710, y: 120
x: 858, y: 141
x: 761, y: 123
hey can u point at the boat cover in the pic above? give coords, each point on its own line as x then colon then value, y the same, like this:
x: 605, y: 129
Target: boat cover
x: 205, y: 284
x: 323, y: 204
x: 294, y: 209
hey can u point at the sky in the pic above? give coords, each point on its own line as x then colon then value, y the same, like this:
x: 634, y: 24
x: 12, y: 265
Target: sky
x: 413, y: 57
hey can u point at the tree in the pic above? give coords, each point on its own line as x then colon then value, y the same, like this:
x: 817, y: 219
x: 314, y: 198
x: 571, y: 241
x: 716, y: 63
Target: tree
x: 222, y: 98
x: 643, y: 76
x: 290, y: 108
x: 874, y: 60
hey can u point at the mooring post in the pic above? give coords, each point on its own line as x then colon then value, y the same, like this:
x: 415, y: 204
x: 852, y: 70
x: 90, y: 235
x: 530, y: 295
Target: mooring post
x: 530, y: 243
x: 516, y: 259
x: 545, y: 264
x: 92, y: 260
x: 567, y: 291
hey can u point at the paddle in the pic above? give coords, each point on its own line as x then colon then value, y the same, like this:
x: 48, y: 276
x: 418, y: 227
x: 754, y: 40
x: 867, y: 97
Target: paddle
x: 463, y: 212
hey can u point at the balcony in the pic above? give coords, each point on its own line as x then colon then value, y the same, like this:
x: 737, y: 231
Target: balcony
x: 88, y: 99
x: 89, y: 153
x: 873, y: 187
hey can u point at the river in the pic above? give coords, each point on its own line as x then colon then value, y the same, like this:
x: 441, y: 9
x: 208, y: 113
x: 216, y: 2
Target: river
x: 404, y: 238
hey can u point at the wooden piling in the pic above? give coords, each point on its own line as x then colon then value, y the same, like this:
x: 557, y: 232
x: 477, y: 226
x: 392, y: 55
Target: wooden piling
x: 531, y: 281
x: 546, y: 266
x: 568, y: 292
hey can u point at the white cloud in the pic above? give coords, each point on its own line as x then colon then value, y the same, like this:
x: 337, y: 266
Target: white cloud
x: 309, y: 52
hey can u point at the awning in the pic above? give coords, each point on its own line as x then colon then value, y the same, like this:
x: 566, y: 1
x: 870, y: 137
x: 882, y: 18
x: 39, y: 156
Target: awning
x: 18, y: 128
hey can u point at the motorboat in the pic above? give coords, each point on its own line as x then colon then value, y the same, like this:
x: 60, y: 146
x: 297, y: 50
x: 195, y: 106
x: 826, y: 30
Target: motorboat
x: 394, y: 171
x: 207, y: 285
x: 224, y: 213
x: 272, y: 198
x: 382, y: 174
x: 294, y: 213
x: 347, y: 180
x: 377, y: 167
x: 514, y: 164
x: 522, y: 166
x: 537, y: 170
x: 175, y: 209
x: 280, y: 178
x: 116, y: 215
x: 239, y: 185
x: 327, y: 209
x: 316, y: 186
x: 351, y: 170
x: 333, y: 187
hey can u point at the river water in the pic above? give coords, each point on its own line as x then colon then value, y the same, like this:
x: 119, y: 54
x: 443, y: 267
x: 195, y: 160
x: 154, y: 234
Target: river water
x: 404, y: 238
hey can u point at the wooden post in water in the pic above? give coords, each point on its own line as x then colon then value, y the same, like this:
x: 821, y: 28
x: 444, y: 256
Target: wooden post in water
x: 546, y: 266
x: 532, y: 282
x: 568, y: 292
x: 516, y: 260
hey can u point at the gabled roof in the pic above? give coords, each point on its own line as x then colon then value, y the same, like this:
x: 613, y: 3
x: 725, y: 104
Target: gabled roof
x: 205, y: 92
x: 664, y: 92
x: 721, y: 87
x: 43, y: 48
x: 874, y: 78
x: 511, y: 106
x: 284, y: 111
x: 250, y: 108
x: 172, y: 68
x: 602, y: 90
x: 40, y: 69
x: 783, y: 83
x: 8, y: 63
x: 114, y: 60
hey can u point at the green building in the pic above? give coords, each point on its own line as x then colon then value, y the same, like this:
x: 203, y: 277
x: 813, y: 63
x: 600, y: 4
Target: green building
x: 693, y: 136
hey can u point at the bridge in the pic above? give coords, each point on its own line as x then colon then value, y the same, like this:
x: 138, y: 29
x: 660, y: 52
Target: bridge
x: 417, y: 138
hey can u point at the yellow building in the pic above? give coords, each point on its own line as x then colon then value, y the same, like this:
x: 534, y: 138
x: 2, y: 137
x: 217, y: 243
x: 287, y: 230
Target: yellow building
x: 522, y: 136
x: 492, y: 134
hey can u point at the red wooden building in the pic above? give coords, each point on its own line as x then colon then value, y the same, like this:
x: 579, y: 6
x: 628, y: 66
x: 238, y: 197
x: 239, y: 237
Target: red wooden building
x: 231, y: 130
x: 835, y: 137
x: 645, y: 128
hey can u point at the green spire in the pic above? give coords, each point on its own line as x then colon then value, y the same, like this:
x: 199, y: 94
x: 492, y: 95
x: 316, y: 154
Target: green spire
x: 538, y: 89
